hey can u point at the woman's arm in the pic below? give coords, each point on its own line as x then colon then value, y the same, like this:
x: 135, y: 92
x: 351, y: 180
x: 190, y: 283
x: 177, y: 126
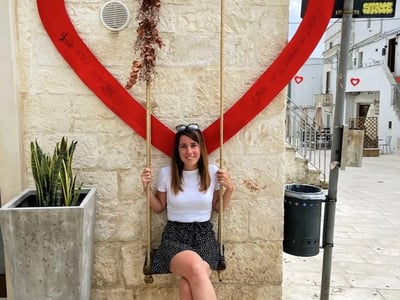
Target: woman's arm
x: 158, y: 201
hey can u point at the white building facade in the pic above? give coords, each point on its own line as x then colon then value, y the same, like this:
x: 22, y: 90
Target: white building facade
x: 306, y: 90
x: 373, y: 78
x: 373, y: 86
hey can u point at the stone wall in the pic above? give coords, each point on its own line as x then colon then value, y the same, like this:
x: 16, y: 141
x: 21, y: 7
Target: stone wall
x: 110, y: 155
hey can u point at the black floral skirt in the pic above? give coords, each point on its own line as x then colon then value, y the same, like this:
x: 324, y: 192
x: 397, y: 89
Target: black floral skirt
x: 177, y: 237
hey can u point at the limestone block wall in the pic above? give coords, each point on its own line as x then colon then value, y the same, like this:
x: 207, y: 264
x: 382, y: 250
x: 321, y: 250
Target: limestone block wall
x: 110, y: 155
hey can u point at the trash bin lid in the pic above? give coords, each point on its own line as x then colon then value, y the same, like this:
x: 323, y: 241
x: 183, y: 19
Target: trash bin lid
x: 304, y: 191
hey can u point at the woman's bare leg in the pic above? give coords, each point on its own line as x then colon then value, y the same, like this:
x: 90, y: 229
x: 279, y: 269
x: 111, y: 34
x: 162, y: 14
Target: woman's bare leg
x: 185, y: 293
x: 196, y: 271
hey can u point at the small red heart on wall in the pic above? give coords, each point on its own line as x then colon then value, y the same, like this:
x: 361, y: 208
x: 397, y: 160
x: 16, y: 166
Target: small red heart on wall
x: 298, y: 79
x: 97, y: 78
x: 355, y: 81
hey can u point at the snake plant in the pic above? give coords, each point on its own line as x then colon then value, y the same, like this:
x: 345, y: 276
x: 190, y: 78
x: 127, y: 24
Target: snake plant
x: 54, y: 178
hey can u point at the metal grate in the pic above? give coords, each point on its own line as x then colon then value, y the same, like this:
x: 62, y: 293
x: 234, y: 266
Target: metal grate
x: 370, y: 127
x: 114, y: 15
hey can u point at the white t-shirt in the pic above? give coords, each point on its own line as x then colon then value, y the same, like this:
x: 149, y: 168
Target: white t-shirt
x: 189, y: 205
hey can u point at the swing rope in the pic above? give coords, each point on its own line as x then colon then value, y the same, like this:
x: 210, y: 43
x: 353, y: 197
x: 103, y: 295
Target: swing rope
x: 147, y: 266
x: 222, y: 265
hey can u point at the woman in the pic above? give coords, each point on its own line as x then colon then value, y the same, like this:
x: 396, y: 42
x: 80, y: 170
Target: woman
x: 189, y: 190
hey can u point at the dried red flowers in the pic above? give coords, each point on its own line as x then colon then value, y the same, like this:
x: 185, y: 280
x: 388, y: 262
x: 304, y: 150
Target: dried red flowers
x: 144, y: 68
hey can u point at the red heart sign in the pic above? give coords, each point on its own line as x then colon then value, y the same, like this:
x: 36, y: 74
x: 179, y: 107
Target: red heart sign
x: 96, y: 77
x: 355, y: 81
x: 298, y: 79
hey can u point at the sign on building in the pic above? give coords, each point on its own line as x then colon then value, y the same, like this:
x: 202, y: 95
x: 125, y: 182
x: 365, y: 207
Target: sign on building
x: 323, y: 100
x: 361, y: 8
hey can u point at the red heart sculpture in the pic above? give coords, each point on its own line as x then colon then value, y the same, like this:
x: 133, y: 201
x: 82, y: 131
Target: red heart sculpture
x: 355, y: 81
x: 298, y: 79
x: 96, y: 77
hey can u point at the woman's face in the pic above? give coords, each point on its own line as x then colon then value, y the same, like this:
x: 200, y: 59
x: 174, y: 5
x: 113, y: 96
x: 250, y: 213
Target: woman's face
x: 189, y: 152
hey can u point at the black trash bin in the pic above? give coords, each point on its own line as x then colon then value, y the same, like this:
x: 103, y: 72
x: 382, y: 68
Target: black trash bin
x: 302, y: 221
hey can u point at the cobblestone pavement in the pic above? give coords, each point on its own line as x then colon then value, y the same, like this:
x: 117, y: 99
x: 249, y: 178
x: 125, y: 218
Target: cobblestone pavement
x: 366, y: 253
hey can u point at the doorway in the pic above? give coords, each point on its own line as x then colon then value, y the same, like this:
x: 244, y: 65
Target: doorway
x: 363, y: 110
x: 367, y: 121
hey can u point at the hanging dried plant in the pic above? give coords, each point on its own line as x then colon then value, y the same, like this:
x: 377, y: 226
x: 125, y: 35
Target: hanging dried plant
x: 146, y: 41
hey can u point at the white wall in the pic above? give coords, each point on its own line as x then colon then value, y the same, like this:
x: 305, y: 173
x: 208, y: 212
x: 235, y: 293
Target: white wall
x: 302, y: 93
x: 10, y: 139
x: 376, y: 79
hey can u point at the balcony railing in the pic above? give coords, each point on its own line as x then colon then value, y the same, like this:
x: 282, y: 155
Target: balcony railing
x: 310, y: 141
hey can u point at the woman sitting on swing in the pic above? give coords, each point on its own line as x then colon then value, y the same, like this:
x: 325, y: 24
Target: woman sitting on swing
x: 188, y: 189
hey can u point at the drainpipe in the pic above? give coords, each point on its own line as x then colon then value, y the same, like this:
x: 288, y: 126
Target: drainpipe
x: 330, y: 205
x: 3, y: 289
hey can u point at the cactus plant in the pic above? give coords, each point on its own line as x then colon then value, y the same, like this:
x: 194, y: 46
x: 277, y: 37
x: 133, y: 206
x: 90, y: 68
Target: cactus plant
x: 54, y: 178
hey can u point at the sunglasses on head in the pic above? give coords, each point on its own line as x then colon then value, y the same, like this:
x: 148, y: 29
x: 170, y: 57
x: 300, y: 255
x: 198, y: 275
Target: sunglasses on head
x: 191, y: 126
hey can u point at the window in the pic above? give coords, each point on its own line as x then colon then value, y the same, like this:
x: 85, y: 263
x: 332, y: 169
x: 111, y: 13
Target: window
x: 391, y: 57
x: 328, y: 83
x: 360, y: 59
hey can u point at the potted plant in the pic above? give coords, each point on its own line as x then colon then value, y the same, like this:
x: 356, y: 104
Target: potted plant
x: 48, y: 231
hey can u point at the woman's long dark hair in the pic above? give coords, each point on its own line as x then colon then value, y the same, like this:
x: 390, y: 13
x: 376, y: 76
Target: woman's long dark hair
x: 177, y: 163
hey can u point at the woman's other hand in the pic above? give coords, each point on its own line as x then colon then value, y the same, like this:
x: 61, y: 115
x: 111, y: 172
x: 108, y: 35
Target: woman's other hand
x: 224, y: 179
x: 146, y: 177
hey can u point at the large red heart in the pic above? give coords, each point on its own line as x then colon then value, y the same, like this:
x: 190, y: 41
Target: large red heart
x: 64, y: 36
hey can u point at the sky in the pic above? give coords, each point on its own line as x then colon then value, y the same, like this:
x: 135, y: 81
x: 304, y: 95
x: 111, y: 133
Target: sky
x: 294, y: 21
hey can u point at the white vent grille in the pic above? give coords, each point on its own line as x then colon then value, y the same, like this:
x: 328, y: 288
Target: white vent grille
x: 114, y: 15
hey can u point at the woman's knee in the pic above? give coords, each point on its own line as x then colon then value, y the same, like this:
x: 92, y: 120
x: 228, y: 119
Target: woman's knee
x: 189, y: 264
x: 198, y: 268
